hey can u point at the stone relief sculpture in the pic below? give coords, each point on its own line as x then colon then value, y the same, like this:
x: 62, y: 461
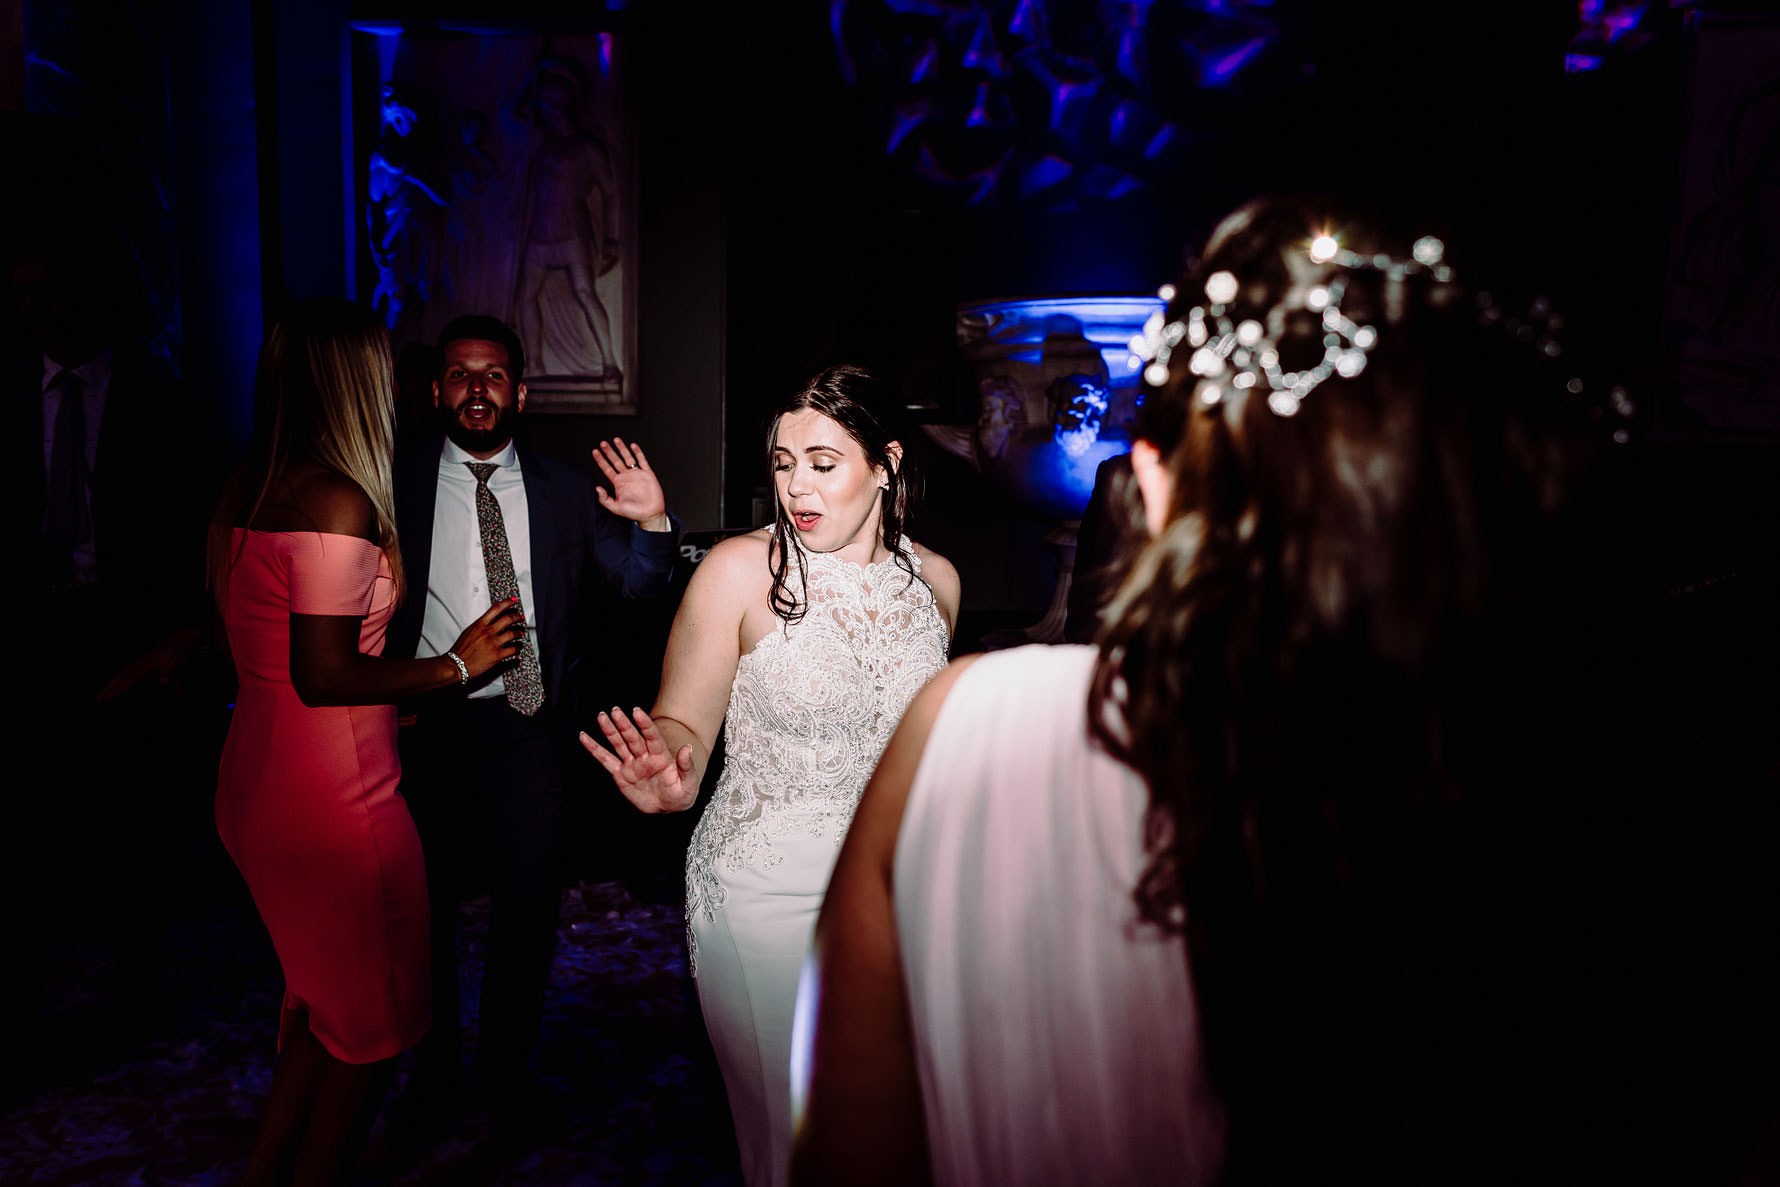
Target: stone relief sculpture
x: 501, y: 183
x: 400, y: 216
x: 1001, y: 414
x: 472, y: 168
x: 473, y: 173
x: 571, y: 227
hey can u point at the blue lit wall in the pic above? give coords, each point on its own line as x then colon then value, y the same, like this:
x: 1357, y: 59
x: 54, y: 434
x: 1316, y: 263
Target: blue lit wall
x: 217, y: 205
x: 311, y: 150
x: 95, y: 90
x: 158, y: 101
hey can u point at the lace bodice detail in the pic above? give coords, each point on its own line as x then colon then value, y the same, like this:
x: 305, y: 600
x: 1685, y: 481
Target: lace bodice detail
x: 812, y: 708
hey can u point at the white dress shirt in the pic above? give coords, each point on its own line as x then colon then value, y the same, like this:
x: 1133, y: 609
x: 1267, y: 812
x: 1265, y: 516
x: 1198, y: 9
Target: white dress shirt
x: 96, y: 374
x: 456, y: 581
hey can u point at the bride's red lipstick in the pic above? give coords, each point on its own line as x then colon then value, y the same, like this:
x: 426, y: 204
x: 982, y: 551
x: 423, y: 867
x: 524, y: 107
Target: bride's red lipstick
x: 805, y: 520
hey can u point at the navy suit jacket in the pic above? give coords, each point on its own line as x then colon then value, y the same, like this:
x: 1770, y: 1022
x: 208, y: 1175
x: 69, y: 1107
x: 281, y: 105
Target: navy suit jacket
x: 570, y: 534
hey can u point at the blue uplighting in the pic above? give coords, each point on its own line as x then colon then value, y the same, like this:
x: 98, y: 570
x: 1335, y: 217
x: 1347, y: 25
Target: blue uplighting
x: 1056, y: 80
x: 1047, y: 172
x: 837, y: 9
x: 907, y: 120
x: 1220, y: 70
x: 924, y: 65
x: 979, y: 111
x: 1057, y: 394
x: 1605, y: 30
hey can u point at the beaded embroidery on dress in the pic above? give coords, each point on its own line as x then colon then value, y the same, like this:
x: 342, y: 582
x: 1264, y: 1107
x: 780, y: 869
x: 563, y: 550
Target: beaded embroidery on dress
x: 811, y: 710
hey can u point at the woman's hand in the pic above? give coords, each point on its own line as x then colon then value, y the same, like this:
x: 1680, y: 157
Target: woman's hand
x: 493, y: 638
x: 640, y: 764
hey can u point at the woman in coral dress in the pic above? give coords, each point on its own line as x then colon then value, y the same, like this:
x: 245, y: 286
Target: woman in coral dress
x: 307, y: 573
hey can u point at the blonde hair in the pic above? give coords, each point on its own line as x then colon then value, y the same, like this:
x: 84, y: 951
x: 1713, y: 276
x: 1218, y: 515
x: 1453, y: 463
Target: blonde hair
x: 325, y: 392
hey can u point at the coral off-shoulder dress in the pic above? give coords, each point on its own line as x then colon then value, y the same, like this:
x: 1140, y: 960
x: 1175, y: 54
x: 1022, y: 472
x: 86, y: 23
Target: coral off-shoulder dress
x: 307, y: 806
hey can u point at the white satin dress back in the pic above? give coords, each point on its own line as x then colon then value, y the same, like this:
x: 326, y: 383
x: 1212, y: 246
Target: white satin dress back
x: 811, y: 710
x: 1056, y: 1037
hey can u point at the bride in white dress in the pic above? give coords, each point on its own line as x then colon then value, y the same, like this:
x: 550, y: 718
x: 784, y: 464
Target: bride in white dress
x: 804, y: 641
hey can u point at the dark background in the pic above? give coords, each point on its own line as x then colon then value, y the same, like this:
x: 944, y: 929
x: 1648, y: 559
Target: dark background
x: 776, y: 235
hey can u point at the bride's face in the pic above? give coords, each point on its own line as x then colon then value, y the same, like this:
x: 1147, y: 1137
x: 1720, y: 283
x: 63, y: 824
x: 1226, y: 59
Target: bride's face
x: 829, y: 491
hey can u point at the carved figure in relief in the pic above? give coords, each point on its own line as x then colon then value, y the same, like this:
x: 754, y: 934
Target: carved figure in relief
x: 570, y: 211
x: 1002, y: 413
x: 469, y: 276
x: 400, y: 215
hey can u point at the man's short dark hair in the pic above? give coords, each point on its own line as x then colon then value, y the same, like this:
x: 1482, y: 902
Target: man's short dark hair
x: 487, y: 329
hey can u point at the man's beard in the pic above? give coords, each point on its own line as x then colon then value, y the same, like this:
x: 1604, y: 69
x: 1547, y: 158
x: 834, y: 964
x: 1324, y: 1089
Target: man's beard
x: 484, y: 440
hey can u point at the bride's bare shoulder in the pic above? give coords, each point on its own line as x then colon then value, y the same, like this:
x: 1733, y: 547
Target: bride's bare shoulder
x: 744, y: 558
x: 932, y: 560
x: 942, y: 578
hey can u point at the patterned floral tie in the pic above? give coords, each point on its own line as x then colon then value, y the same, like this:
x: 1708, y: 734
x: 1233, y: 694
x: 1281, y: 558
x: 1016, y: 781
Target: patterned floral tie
x: 525, y: 687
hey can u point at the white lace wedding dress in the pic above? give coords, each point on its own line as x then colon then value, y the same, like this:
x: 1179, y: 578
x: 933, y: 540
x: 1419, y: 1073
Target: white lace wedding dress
x: 813, y: 705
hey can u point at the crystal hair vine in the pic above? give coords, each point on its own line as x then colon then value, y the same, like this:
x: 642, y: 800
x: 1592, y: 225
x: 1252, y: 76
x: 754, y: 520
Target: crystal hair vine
x: 1228, y: 354
x: 1239, y: 355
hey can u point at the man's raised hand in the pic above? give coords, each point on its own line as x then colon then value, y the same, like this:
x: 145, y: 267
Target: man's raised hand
x: 636, y: 491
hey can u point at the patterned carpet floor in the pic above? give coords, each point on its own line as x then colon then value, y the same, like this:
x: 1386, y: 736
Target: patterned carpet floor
x: 129, y: 1068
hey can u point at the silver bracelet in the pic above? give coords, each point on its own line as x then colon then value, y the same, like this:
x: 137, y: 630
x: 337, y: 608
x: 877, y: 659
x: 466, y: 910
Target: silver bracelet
x: 463, y: 669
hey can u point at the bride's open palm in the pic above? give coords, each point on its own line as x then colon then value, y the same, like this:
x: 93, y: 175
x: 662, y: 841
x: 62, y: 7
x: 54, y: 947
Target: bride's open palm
x: 651, y: 776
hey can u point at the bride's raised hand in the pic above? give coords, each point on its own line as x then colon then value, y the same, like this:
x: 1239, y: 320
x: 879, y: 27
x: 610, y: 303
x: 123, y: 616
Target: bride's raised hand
x: 639, y: 762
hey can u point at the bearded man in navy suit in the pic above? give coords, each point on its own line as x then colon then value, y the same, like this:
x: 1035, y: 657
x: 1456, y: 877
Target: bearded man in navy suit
x: 485, y: 765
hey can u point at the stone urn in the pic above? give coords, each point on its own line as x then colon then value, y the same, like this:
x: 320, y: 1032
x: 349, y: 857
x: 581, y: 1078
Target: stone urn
x: 1057, y: 391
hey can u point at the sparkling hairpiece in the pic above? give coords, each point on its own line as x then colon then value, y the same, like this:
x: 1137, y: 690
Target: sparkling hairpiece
x: 1240, y: 355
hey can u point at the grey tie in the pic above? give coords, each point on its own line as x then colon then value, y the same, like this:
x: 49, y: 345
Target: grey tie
x: 525, y: 687
x: 68, y: 518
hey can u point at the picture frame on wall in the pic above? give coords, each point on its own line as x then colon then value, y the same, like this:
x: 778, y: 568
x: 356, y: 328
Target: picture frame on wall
x: 495, y: 173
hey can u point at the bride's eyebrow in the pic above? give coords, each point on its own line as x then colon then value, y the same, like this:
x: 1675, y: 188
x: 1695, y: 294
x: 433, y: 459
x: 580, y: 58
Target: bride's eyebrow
x: 834, y: 449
